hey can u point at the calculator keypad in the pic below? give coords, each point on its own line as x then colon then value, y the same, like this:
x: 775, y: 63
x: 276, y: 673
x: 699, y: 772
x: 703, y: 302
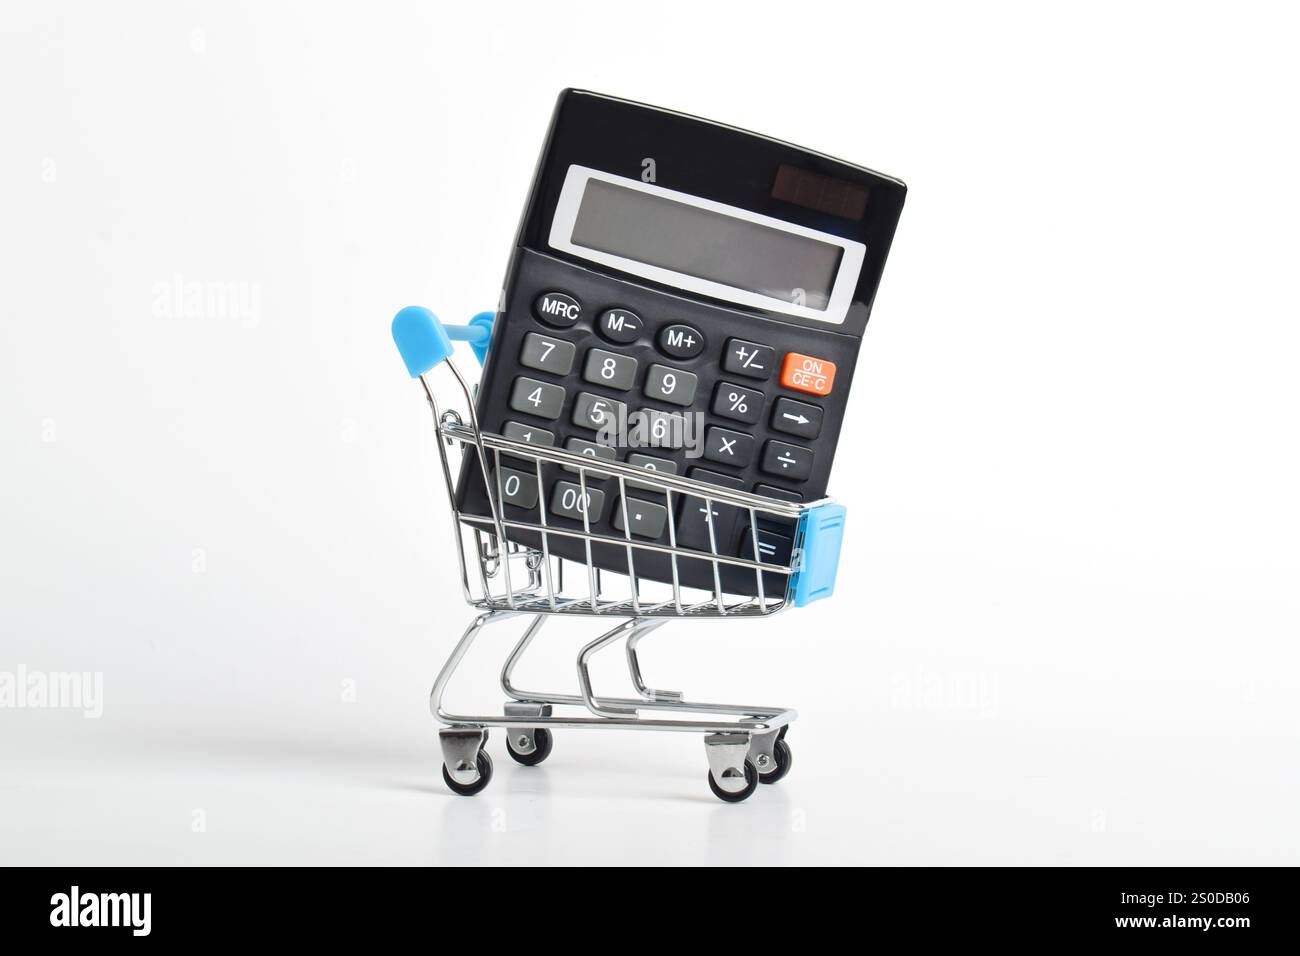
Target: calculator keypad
x: 519, y: 488
x: 792, y: 462
x: 620, y: 326
x: 547, y: 354
x: 692, y: 521
x: 537, y: 398
x: 797, y: 418
x: 596, y: 411
x: 701, y: 392
x: 529, y: 433
x: 681, y: 341
x: 580, y: 446
x: 752, y: 359
x: 738, y: 403
x: 808, y: 373
x: 645, y: 518
x: 728, y: 447
x: 568, y: 500
x: 773, y: 546
x: 660, y: 466
x: 673, y: 385
x: 558, y: 309
x: 609, y: 369
x: 526, y: 433
x: 665, y: 429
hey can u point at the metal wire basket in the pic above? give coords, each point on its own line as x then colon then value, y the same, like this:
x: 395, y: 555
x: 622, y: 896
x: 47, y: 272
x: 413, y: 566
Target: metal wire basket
x: 508, y: 568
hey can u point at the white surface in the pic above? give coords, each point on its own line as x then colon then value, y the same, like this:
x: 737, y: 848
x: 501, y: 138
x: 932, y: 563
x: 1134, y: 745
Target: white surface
x: 1066, y: 630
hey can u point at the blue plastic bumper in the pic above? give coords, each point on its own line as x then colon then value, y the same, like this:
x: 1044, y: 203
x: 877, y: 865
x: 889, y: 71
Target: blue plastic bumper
x: 823, y: 534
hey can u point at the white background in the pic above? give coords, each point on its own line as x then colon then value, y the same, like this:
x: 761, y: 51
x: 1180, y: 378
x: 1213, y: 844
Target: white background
x: 1066, y: 627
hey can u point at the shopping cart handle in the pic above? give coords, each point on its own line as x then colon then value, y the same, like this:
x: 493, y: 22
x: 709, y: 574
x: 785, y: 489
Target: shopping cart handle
x: 424, y: 341
x: 823, y: 534
x: 478, y: 334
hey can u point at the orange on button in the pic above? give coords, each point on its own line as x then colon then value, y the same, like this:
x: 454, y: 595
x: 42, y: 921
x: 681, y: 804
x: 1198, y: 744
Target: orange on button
x: 806, y: 373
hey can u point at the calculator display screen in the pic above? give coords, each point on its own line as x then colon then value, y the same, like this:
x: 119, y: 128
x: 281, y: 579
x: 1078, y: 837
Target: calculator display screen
x: 705, y: 246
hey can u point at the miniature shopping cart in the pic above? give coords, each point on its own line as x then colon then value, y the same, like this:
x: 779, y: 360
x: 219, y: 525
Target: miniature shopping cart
x: 503, y: 578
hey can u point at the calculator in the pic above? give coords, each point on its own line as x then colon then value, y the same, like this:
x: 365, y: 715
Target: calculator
x: 687, y: 298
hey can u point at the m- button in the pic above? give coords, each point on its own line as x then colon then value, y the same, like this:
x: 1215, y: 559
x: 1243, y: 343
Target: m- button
x: 807, y: 373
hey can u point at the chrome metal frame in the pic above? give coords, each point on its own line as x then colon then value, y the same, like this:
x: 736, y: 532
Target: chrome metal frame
x: 504, y: 579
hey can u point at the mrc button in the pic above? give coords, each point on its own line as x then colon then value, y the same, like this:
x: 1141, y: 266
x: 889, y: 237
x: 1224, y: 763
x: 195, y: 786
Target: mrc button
x: 557, y: 308
x: 807, y: 373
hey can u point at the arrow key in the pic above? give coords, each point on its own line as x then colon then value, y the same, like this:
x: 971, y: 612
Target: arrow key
x: 797, y: 418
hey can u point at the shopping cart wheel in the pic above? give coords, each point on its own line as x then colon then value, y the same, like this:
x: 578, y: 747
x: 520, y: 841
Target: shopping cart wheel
x: 751, y: 784
x: 781, y: 760
x: 530, y: 749
x: 484, y: 765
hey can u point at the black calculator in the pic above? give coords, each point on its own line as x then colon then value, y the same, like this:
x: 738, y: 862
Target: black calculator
x: 689, y: 299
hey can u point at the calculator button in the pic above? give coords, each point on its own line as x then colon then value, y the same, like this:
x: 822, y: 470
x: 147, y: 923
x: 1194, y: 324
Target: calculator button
x: 547, y: 354
x: 749, y: 358
x: 737, y: 403
x: 662, y: 466
x: 783, y: 494
x: 807, y: 373
x: 772, y: 491
x: 662, y: 429
x: 788, y: 461
x: 518, y: 488
x: 595, y: 412
x: 568, y: 501
x: 797, y: 418
x: 728, y: 447
x: 773, y: 547
x: 558, y: 309
x: 692, y: 521
x: 580, y: 446
x: 527, y: 433
x: 681, y: 341
x: 536, y: 398
x: 609, y: 369
x: 645, y: 518
x: 671, y: 384
x: 716, y: 478
x: 620, y: 325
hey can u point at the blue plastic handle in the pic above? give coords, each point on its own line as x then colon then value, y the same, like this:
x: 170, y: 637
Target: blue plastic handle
x: 424, y: 341
x: 823, y: 536
x: 478, y: 334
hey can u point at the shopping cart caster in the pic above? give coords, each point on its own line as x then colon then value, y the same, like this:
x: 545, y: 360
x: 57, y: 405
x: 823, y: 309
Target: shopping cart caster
x: 466, y: 766
x: 529, y: 747
x: 771, y: 754
x: 773, y: 767
x: 732, y: 775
